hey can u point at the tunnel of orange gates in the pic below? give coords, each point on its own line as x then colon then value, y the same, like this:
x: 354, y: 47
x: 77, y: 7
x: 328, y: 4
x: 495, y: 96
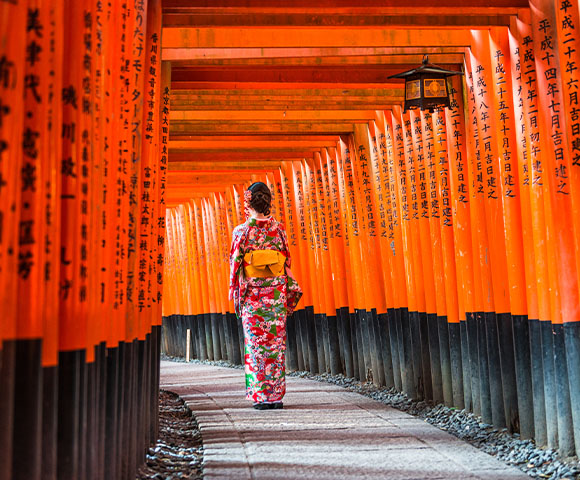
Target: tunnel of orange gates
x: 438, y: 251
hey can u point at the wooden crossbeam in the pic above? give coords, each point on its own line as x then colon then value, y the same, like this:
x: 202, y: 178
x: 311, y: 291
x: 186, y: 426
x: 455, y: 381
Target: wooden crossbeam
x: 183, y: 180
x: 386, y: 89
x: 178, y: 128
x: 236, y: 54
x: 393, y: 18
x: 268, y: 37
x: 324, y: 60
x: 273, y: 150
x: 331, y: 74
x: 304, y: 103
x: 248, y: 145
x: 189, y: 84
x: 226, y: 167
x: 268, y: 138
x: 236, y: 165
x: 178, y: 160
x: 330, y: 7
x: 276, y: 115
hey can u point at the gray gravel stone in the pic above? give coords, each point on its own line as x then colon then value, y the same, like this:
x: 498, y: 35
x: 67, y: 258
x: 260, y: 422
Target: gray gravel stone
x: 179, y: 451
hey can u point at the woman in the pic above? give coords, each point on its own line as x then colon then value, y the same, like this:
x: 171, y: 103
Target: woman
x: 264, y: 293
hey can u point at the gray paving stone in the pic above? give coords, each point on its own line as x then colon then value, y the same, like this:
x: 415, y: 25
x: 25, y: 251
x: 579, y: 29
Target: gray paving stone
x: 323, y: 432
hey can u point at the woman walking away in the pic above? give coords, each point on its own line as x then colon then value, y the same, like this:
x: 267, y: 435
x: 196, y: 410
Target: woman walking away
x: 264, y: 293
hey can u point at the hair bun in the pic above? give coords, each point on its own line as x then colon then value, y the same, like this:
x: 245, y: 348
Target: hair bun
x: 261, y: 198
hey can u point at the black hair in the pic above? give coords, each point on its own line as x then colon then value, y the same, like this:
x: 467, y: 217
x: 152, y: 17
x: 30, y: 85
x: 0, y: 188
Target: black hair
x: 261, y: 200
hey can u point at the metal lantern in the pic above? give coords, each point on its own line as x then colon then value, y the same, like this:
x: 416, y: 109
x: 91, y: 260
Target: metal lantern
x: 426, y: 86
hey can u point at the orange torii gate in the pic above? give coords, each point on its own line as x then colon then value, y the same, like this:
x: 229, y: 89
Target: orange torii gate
x: 438, y: 251
x: 442, y: 223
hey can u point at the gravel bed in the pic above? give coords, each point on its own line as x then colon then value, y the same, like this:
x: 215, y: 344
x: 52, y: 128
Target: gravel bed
x: 535, y: 461
x: 178, y: 453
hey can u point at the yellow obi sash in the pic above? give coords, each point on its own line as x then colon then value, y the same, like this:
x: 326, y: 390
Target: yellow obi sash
x: 264, y: 263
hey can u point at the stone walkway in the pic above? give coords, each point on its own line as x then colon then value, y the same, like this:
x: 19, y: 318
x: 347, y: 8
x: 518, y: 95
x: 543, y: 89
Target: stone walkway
x: 323, y: 432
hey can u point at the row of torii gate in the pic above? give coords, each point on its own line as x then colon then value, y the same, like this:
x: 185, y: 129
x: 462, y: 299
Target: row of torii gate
x: 439, y: 251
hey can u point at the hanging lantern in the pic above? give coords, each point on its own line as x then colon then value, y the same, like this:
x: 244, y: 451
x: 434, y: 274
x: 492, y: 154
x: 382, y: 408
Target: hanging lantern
x: 426, y: 86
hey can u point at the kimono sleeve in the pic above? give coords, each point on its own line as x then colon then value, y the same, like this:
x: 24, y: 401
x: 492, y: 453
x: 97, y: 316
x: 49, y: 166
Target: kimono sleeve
x: 293, y: 290
x: 236, y: 261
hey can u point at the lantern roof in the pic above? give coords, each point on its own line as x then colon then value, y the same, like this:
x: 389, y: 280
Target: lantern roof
x: 426, y: 68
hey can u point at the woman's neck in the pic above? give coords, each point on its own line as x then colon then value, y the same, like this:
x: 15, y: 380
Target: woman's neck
x: 259, y: 216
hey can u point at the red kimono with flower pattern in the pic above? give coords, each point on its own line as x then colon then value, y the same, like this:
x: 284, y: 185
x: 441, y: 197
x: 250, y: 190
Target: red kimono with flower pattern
x: 263, y: 305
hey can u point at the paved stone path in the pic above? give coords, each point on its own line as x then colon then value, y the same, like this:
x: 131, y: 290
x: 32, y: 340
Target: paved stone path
x: 323, y: 432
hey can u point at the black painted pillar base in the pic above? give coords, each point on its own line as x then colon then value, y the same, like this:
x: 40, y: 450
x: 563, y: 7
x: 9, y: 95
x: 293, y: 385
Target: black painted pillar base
x: 566, y: 445
x: 508, y: 371
x: 347, y: 341
x: 142, y: 399
x: 305, y: 339
x: 291, y: 347
x: 215, y: 336
x: 407, y: 366
x: 375, y: 353
x: 164, y: 336
x: 358, y: 350
x: 49, y: 422
x: 202, y: 337
x: 365, y: 320
x: 7, y: 367
x: 341, y: 347
x: 191, y: 324
x: 235, y: 339
x: 311, y: 336
x: 334, y: 345
x: 394, y: 342
x: 537, y: 373
x: 495, y: 369
x: 209, y: 336
x: 384, y: 345
x: 227, y: 349
x: 549, y: 383
x: 425, y: 356
x: 483, y: 362
x: 156, y: 331
x: 103, y: 407
x: 572, y: 338
x: 91, y: 460
x: 307, y: 326
x: 472, y: 337
x: 83, y: 411
x: 112, y: 413
x: 127, y: 406
x: 224, y: 336
x: 398, y: 315
x: 69, y: 395
x: 435, y: 358
x: 326, y: 342
x: 523, y: 363
x: 445, y: 358
x: 319, y: 341
x: 27, y: 434
x: 242, y: 341
x: 418, y: 374
x: 459, y: 361
x: 300, y: 352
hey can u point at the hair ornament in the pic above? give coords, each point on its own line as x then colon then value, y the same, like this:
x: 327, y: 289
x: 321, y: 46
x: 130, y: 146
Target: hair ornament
x: 247, y: 200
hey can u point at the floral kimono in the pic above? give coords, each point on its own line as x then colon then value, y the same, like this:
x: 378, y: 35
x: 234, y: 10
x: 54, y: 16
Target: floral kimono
x: 263, y: 305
